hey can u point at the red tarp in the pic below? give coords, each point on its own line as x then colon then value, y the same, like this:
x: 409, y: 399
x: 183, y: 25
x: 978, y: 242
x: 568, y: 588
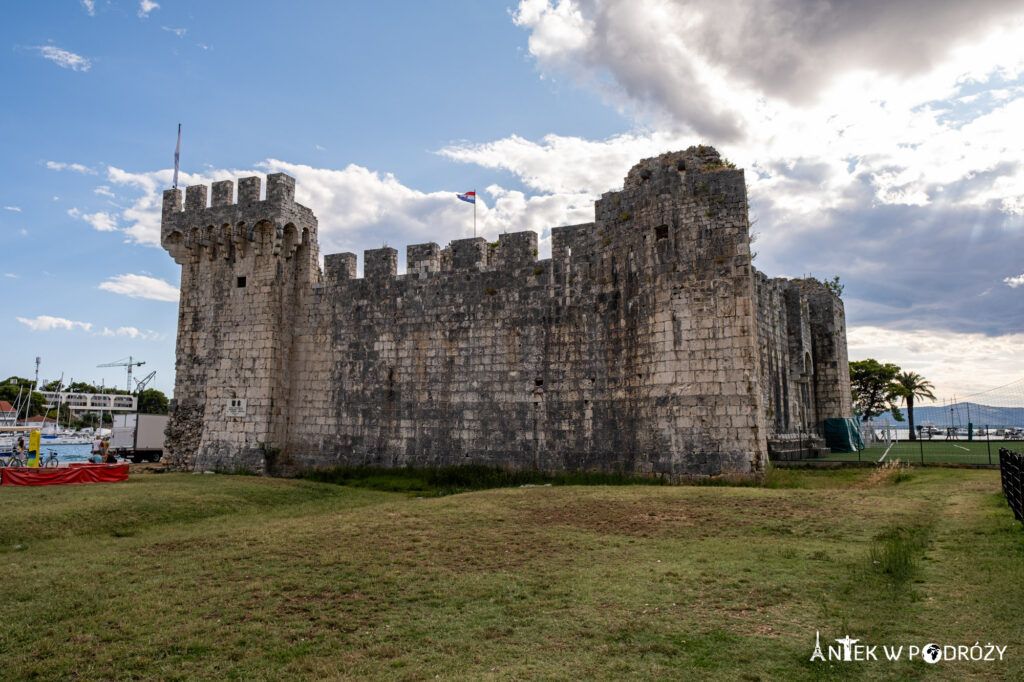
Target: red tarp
x: 96, y: 473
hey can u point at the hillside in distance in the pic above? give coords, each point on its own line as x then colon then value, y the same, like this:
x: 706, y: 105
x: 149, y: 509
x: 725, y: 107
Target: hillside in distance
x: 961, y: 414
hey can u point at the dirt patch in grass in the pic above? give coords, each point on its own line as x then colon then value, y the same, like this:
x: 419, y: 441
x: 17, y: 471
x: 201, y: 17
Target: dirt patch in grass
x: 890, y: 472
x: 702, y: 513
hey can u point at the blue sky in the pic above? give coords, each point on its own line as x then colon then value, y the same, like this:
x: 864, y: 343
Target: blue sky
x: 881, y: 141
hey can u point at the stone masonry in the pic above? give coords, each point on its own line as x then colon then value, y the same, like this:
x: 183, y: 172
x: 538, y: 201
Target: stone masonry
x: 646, y: 344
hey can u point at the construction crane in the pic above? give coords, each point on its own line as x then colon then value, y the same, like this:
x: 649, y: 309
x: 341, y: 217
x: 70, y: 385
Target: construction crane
x: 129, y: 364
x: 140, y: 385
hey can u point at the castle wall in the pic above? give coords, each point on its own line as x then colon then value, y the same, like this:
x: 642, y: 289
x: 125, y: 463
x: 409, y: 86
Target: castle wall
x: 827, y: 319
x: 637, y: 347
x: 802, y: 351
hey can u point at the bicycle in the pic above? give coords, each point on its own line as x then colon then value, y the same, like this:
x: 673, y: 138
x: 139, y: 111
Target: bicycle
x: 13, y: 459
x: 52, y: 460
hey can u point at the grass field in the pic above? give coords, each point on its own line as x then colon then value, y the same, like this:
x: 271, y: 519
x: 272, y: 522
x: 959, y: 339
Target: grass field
x: 177, y: 576
x: 934, y: 451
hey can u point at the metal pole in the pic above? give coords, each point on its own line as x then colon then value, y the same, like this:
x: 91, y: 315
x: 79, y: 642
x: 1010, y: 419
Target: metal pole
x: 921, y: 445
x: 988, y: 444
x: 474, y: 213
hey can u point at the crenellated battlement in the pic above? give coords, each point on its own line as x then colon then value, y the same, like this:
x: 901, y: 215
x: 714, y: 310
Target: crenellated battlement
x: 625, y: 220
x: 211, y: 218
x: 473, y: 255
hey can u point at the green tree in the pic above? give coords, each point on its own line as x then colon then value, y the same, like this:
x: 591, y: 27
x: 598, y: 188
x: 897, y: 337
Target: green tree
x: 874, y: 388
x: 152, y: 401
x: 835, y: 286
x: 911, y: 386
x: 82, y: 387
x: 9, y: 392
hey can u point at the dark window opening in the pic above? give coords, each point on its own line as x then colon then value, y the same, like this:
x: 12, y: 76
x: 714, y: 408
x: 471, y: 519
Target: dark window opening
x: 241, y: 282
x: 661, y: 232
x: 538, y: 382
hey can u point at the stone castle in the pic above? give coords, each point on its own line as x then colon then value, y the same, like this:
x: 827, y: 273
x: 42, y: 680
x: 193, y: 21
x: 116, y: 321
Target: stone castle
x: 646, y: 344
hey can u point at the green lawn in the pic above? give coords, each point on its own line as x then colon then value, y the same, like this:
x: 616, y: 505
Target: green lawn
x: 179, y: 576
x: 954, y: 452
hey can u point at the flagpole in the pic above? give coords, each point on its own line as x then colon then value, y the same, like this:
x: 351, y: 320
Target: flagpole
x: 474, y: 213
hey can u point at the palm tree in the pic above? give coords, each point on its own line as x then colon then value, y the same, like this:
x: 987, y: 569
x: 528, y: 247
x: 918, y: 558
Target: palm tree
x: 911, y: 385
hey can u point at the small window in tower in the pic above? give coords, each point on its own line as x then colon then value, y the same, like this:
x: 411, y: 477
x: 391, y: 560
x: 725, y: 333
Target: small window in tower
x: 241, y: 282
x: 661, y: 232
x: 538, y: 382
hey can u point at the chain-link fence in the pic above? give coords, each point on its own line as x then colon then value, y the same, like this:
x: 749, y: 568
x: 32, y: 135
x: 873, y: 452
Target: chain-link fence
x: 968, y: 430
x: 1011, y: 469
x: 978, y: 445
x: 887, y: 442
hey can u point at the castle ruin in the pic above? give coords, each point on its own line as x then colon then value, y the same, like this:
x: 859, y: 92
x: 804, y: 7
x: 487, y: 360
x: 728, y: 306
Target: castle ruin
x: 647, y: 343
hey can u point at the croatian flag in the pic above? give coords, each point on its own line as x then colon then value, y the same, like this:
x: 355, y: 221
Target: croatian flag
x: 468, y: 196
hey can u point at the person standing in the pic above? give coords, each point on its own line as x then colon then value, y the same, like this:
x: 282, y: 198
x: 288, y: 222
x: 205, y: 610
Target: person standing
x: 97, y: 449
x: 108, y: 456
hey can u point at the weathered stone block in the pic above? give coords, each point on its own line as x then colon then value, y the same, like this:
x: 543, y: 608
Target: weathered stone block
x: 195, y: 198
x: 249, y: 190
x: 469, y: 253
x: 380, y: 263
x: 339, y: 266
x: 223, y: 193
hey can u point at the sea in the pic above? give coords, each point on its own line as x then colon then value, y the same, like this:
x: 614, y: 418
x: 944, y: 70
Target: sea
x: 66, y: 453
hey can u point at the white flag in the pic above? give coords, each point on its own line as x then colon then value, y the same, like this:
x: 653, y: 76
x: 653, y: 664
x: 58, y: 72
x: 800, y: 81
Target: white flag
x: 177, y: 153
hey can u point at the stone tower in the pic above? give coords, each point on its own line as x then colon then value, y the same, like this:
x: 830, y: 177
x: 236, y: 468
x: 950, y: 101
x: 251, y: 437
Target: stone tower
x: 247, y: 267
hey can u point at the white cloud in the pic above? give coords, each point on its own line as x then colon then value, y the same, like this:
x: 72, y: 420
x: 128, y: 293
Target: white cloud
x: 10, y: 275
x: 145, y: 7
x: 141, y: 286
x: 103, y: 190
x: 47, y: 322
x: 90, y: 7
x: 76, y: 167
x: 131, y: 332
x: 102, y: 221
x: 358, y: 208
x: 180, y: 32
x: 63, y: 58
x: 954, y: 363
x: 13, y: 208
x: 694, y: 65
x: 1014, y: 282
x: 809, y: 97
x: 143, y: 216
x: 567, y: 164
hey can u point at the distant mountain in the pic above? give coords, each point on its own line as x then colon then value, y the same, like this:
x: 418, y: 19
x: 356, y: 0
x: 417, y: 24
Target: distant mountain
x: 980, y: 415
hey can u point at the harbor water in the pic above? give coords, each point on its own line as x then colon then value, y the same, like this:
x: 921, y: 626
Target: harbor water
x: 66, y: 453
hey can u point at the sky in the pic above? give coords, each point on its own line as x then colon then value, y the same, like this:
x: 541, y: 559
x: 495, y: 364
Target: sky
x: 881, y: 140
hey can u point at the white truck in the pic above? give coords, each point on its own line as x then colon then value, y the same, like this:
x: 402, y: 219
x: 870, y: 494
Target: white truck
x: 138, y: 437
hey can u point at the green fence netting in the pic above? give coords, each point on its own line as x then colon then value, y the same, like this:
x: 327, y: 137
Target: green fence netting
x: 842, y: 435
